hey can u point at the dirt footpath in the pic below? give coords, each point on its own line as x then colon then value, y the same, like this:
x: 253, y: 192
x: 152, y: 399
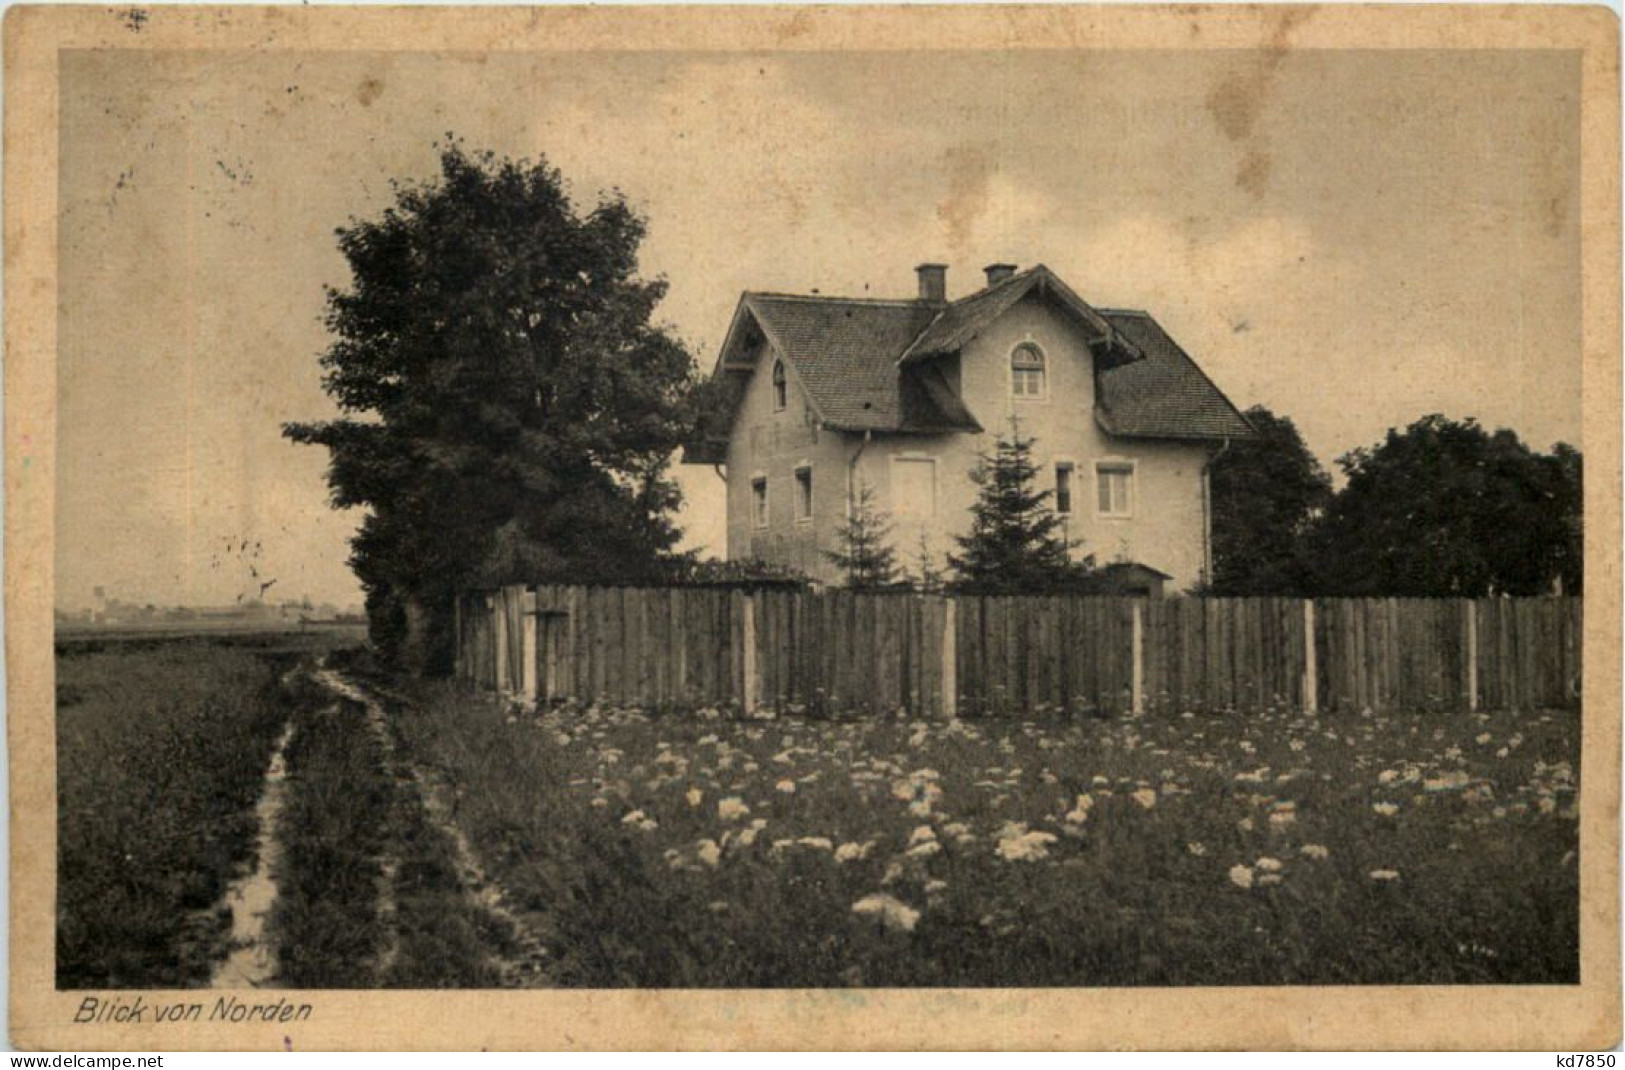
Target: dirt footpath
x: 362, y: 877
x: 519, y: 960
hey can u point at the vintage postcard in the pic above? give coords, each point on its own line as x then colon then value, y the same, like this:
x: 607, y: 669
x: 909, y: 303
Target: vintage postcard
x: 797, y: 527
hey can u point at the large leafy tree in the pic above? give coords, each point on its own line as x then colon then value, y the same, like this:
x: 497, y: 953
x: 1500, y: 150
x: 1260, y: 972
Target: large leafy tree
x: 1266, y: 491
x: 1445, y: 508
x: 1016, y: 543
x: 508, y: 407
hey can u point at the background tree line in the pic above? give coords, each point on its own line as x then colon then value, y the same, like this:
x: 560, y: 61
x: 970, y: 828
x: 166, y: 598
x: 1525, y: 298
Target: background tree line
x: 1442, y: 508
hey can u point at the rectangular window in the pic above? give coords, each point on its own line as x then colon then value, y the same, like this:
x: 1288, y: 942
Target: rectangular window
x: 803, y: 493
x: 758, y: 501
x: 1063, y: 487
x: 780, y: 388
x: 913, y: 501
x: 1115, y: 481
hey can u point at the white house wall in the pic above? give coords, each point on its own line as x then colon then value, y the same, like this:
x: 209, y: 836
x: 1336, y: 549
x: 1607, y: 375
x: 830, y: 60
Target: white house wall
x: 774, y: 444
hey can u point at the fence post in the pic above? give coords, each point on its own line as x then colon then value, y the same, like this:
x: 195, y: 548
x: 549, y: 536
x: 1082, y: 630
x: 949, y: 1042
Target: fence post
x: 499, y: 643
x: 1472, y: 654
x: 1137, y: 690
x: 459, y: 656
x: 748, y: 653
x: 1311, y: 668
x: 529, y: 622
x: 950, y: 658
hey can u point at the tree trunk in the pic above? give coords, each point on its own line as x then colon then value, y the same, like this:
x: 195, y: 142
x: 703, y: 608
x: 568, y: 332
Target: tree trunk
x: 417, y: 645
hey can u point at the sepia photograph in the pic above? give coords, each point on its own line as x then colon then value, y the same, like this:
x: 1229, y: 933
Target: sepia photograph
x: 885, y: 501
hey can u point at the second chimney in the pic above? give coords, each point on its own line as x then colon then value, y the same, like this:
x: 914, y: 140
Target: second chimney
x: 933, y: 283
x: 997, y: 273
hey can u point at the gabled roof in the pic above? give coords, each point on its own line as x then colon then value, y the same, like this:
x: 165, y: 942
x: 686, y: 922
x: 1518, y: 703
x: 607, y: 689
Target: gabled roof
x: 837, y: 348
x: 842, y: 351
x: 869, y: 365
x: 1164, y: 394
x: 958, y: 323
x: 1136, y: 569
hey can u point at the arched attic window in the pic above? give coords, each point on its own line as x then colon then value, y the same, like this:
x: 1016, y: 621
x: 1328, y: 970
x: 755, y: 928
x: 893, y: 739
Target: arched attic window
x: 1027, y: 371
x: 781, y: 393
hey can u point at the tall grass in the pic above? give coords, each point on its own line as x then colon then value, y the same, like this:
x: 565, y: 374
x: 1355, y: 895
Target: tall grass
x: 367, y: 892
x: 325, y: 921
x: 160, y: 758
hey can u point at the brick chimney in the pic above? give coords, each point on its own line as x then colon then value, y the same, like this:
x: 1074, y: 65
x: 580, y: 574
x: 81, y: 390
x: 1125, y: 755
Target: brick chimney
x: 933, y: 283
x: 997, y: 273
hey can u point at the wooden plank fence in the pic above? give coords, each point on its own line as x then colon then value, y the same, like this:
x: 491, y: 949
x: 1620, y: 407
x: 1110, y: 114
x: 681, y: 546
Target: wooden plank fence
x: 935, y: 656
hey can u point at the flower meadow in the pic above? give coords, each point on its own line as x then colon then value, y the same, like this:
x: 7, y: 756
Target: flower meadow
x: 698, y: 848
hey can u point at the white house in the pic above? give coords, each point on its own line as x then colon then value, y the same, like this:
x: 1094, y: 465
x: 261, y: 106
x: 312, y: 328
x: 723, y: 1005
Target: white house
x: 825, y: 392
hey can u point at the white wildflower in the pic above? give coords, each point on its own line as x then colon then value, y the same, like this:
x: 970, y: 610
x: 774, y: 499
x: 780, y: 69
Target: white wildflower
x: 1080, y: 811
x: 853, y: 852
x: 893, y: 914
x: 1016, y: 844
x: 1452, y: 781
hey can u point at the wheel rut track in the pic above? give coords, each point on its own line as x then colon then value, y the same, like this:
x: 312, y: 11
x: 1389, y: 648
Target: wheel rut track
x: 527, y: 964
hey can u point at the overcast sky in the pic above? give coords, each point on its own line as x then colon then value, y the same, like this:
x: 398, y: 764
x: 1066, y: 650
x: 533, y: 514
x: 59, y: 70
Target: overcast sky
x: 1352, y: 238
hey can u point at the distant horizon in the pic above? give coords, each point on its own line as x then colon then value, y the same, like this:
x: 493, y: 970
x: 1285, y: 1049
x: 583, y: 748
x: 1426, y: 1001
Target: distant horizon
x: 113, y: 597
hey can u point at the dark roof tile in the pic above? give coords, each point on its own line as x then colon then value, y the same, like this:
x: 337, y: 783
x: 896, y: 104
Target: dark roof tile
x: 844, y: 352
x: 1164, y: 394
x: 959, y: 322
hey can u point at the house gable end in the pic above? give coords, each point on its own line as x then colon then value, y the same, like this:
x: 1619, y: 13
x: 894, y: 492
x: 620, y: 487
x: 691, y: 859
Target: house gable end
x: 1065, y: 390
x: 749, y: 338
x: 959, y: 324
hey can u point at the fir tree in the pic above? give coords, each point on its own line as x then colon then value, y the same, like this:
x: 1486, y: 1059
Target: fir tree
x: 1016, y: 543
x: 863, y: 551
x: 928, y: 575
